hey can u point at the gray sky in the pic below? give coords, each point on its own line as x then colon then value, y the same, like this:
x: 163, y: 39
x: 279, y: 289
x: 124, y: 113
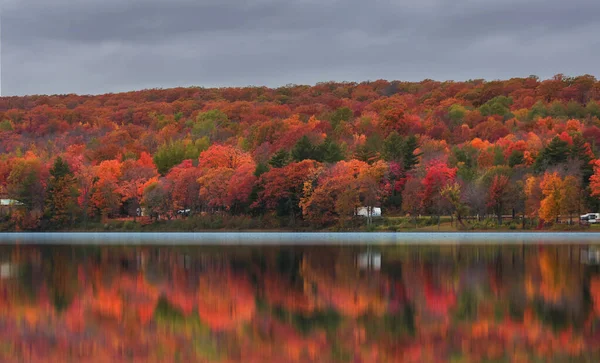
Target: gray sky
x: 99, y: 46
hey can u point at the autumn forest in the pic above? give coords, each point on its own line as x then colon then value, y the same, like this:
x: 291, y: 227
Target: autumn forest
x: 518, y: 153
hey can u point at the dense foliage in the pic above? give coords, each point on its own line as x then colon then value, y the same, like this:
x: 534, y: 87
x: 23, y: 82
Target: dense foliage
x: 309, y: 155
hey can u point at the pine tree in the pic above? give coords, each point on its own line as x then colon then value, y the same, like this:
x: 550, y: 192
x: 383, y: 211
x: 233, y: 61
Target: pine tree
x: 280, y: 159
x: 61, y: 198
x: 557, y: 151
x: 329, y: 152
x: 393, y: 147
x: 303, y: 150
x: 579, y: 151
x: 410, y: 159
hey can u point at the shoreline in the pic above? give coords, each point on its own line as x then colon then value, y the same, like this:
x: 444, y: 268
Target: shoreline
x: 298, y: 238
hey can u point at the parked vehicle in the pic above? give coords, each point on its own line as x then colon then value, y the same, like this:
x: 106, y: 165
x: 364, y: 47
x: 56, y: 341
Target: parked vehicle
x: 364, y: 212
x: 184, y: 212
x: 590, y: 218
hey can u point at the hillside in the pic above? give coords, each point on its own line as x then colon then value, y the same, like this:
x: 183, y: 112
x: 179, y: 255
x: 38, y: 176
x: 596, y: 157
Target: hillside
x: 304, y: 155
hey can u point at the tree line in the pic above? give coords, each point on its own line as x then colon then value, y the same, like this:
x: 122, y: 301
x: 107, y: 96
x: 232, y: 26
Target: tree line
x: 307, y: 155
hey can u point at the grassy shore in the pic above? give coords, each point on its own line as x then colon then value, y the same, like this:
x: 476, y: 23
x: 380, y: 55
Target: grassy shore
x: 247, y: 223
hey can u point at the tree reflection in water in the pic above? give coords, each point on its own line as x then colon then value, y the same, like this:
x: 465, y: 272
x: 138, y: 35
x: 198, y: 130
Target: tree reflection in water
x: 284, y: 304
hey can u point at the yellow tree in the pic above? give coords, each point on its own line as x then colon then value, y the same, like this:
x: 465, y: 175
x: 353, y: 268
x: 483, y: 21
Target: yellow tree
x: 533, y: 195
x: 572, y: 196
x: 552, y: 190
x: 452, y: 192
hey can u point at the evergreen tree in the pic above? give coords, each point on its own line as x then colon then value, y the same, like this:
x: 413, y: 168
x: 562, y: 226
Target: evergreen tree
x: 556, y: 152
x: 261, y: 168
x: 516, y: 158
x: 329, y: 152
x: 61, y: 198
x: 410, y: 159
x: 579, y: 151
x: 280, y: 159
x: 369, y: 152
x: 393, y: 147
x: 303, y: 150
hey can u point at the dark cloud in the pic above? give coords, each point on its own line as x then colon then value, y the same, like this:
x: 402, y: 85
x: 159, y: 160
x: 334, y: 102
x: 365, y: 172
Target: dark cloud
x: 97, y: 46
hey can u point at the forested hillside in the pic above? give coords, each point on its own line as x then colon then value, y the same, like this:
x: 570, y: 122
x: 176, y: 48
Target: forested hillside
x: 305, y: 155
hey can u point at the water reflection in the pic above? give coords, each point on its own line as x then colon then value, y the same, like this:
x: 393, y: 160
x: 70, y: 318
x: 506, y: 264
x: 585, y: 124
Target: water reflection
x: 259, y: 304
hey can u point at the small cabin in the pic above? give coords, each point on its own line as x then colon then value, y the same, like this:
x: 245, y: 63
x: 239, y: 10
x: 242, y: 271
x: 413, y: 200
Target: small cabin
x: 364, y: 212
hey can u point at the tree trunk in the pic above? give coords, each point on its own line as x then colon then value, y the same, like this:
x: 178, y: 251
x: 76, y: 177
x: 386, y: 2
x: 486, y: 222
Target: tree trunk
x: 459, y: 219
x: 499, y: 214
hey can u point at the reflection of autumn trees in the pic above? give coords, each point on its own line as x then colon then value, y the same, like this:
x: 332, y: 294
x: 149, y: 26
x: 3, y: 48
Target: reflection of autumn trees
x: 296, y: 305
x: 554, y: 281
x: 340, y: 285
x: 225, y: 301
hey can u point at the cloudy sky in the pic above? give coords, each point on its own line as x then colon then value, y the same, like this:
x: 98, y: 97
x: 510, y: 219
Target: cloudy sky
x: 100, y: 46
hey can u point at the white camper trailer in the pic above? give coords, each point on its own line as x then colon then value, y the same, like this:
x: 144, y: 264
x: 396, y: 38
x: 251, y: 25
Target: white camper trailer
x: 364, y: 212
x: 590, y: 218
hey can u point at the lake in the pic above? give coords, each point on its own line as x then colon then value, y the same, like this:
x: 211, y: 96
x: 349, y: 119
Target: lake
x: 284, y: 297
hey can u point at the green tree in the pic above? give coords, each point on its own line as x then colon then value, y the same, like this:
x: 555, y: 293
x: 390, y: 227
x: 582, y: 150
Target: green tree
x: 194, y: 148
x: 303, y: 150
x: 496, y: 106
x: 339, y: 115
x: 329, y: 152
x: 61, y: 197
x: 261, y: 168
x: 168, y: 155
x: 537, y: 110
x: 516, y: 158
x: 452, y: 192
x: 369, y: 152
x: 579, y: 151
x: 498, y: 156
x: 410, y: 159
x: 557, y: 151
x: 593, y: 109
x: 456, y: 114
x: 280, y: 159
x: 393, y: 147
x: 6, y: 125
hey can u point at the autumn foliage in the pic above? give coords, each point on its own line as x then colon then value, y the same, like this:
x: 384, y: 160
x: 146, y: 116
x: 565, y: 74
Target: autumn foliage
x: 304, y: 154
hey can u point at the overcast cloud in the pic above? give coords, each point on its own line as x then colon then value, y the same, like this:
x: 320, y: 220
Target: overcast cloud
x: 100, y: 46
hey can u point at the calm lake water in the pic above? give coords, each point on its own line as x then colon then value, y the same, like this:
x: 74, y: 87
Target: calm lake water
x: 299, y: 297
